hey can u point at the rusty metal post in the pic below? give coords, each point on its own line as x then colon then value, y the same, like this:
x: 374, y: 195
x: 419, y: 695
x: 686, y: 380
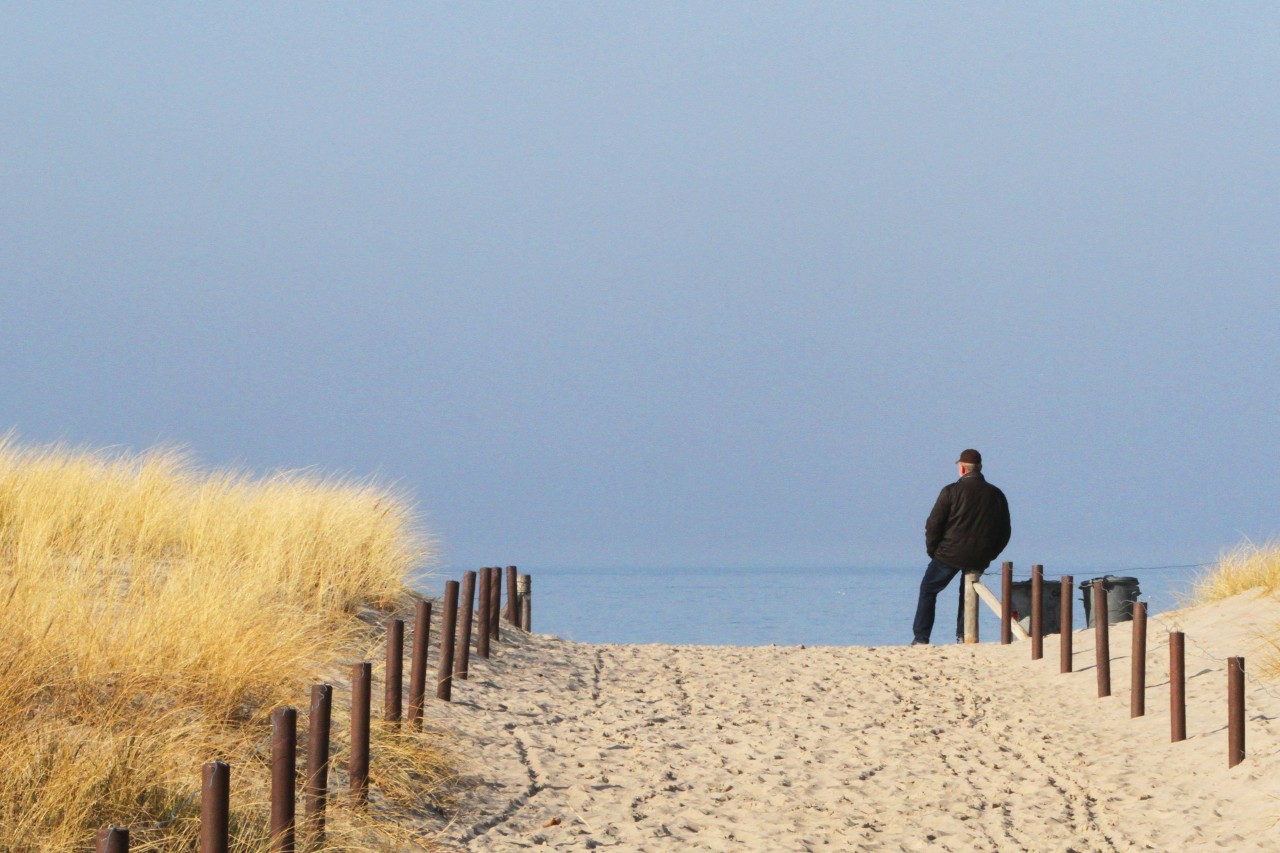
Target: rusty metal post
x: 316, y: 783
x: 394, y: 689
x: 1138, y: 662
x: 1006, y: 603
x: 513, y: 603
x: 1235, y: 711
x: 1102, y: 635
x: 462, y: 654
x: 358, y: 765
x: 418, y: 667
x: 1037, y: 612
x: 495, y: 604
x: 482, y: 615
x: 284, y: 757
x: 113, y: 839
x: 524, y: 585
x: 215, y: 807
x: 448, y: 629
x: 484, y: 595
x: 1177, y: 687
x: 1065, y: 618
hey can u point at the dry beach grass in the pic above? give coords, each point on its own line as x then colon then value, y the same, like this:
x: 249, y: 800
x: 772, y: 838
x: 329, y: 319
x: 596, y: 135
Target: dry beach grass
x: 155, y: 613
x: 1242, y: 569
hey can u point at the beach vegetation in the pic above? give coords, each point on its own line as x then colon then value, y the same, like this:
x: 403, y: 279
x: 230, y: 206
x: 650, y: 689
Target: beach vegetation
x: 1246, y: 567
x: 154, y: 613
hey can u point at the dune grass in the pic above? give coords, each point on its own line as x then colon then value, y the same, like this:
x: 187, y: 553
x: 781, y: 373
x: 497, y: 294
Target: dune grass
x: 1246, y: 567
x: 154, y: 614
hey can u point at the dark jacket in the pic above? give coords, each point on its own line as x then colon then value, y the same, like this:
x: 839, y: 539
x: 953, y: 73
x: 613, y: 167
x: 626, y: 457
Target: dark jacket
x: 969, y: 525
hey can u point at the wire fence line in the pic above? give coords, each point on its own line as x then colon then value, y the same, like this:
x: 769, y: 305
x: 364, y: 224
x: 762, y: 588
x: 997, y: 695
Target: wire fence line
x: 1261, y: 686
x: 1018, y: 576
x: 1238, y: 676
x: 1254, y: 683
x: 517, y: 614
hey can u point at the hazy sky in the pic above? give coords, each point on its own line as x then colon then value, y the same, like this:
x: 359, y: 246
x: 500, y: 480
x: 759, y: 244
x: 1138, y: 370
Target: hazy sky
x: 665, y: 284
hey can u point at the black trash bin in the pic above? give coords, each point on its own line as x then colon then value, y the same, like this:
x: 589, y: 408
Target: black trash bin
x: 1050, y: 605
x: 1122, y: 592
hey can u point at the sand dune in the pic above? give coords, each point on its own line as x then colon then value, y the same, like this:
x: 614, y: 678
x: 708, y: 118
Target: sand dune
x: 579, y: 746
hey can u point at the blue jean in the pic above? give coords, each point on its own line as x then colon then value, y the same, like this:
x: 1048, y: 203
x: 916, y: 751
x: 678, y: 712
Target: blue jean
x: 936, y: 578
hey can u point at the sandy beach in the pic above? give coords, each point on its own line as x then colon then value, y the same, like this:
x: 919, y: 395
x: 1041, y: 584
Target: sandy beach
x: 579, y: 746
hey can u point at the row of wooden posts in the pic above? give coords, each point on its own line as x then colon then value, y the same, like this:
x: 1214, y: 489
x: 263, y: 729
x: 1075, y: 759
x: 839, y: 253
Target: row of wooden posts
x: 215, y: 787
x: 1138, y: 661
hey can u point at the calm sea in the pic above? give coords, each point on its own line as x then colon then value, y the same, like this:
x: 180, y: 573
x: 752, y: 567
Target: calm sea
x: 786, y: 606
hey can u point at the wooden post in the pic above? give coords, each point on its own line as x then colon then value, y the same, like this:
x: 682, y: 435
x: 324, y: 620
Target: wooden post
x: 418, y: 668
x: 971, y: 607
x: 1101, y: 632
x: 284, y: 763
x: 1006, y: 603
x: 215, y: 807
x: 113, y: 839
x: 448, y: 632
x: 1235, y: 711
x: 462, y: 654
x: 526, y: 607
x: 1037, y: 612
x: 1177, y: 687
x: 482, y: 614
x: 1138, y: 662
x: 513, y: 601
x: 394, y: 691
x: 1065, y: 618
x: 315, y: 786
x: 358, y: 763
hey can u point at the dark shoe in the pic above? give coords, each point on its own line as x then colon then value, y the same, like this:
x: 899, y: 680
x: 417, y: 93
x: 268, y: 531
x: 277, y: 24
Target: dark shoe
x: 919, y: 642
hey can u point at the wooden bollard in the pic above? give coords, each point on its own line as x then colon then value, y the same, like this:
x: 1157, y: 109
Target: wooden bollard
x: 448, y: 628
x: 1006, y: 603
x: 524, y: 584
x: 1102, y: 638
x: 358, y: 764
x: 315, y: 786
x: 970, y: 606
x: 462, y: 654
x: 1138, y: 662
x: 1177, y: 687
x: 1037, y: 612
x: 215, y: 807
x: 1235, y: 711
x: 394, y: 692
x: 284, y: 757
x: 482, y: 615
x: 1065, y: 618
x: 418, y: 666
x: 513, y: 601
x: 495, y: 604
x: 113, y: 839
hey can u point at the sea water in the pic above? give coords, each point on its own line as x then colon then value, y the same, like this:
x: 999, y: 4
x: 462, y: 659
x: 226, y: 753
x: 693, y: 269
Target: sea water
x: 783, y: 606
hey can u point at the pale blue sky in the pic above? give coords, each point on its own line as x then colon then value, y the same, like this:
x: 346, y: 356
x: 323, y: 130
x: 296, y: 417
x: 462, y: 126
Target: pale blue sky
x: 664, y: 284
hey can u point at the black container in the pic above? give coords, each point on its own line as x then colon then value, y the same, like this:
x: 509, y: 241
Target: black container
x: 1050, y: 605
x: 1122, y: 593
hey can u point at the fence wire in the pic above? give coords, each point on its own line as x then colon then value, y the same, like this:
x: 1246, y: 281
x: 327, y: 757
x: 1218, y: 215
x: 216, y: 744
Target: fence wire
x: 1019, y: 576
x: 1254, y: 683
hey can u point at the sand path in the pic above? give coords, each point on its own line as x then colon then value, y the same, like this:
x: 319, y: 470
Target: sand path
x: 577, y: 746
